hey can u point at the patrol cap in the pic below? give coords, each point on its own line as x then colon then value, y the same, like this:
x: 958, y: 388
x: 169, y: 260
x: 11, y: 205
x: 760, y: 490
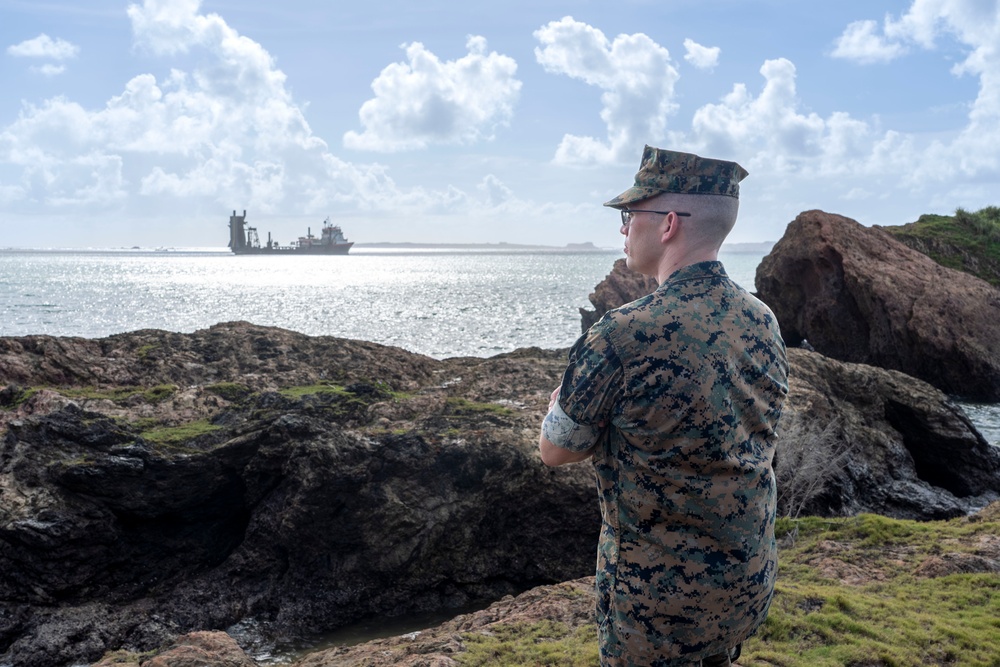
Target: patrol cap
x: 684, y: 173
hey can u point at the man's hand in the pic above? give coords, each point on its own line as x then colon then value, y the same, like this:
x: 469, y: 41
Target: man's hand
x: 554, y: 397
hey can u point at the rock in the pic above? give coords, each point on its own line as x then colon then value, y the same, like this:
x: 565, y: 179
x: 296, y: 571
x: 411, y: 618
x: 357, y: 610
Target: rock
x: 859, y: 295
x: 314, y: 494
x: 620, y: 286
x: 197, y: 649
x: 855, y: 438
x: 570, y: 604
x: 305, y: 510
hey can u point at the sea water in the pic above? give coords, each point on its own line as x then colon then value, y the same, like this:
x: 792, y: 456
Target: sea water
x: 441, y: 303
x: 434, y: 302
x: 437, y: 302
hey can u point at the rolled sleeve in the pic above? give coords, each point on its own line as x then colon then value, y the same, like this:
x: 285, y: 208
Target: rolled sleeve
x: 589, y: 389
x: 559, y: 429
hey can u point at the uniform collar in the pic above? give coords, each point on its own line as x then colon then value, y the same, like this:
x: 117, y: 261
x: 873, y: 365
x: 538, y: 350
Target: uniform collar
x: 700, y: 270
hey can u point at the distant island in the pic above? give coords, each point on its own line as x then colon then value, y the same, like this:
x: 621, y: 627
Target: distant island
x: 502, y: 245
x: 762, y: 247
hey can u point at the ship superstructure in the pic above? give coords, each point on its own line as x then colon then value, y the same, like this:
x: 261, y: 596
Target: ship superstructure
x: 244, y: 240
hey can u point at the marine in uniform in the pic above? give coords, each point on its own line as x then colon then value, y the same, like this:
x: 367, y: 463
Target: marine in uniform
x: 676, y: 397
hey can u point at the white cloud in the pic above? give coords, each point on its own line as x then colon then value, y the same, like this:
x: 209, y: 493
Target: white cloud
x: 49, y: 69
x: 227, y: 132
x: 768, y: 123
x: 425, y: 101
x: 636, y: 74
x: 975, y: 27
x: 44, y: 46
x: 702, y: 57
x: 860, y: 43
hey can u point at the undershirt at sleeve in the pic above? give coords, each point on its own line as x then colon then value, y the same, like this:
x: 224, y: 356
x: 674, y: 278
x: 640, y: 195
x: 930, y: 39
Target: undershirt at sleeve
x: 563, y: 432
x: 591, y: 386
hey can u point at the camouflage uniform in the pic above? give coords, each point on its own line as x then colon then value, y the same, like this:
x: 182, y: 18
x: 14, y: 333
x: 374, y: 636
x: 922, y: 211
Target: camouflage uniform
x: 689, y: 381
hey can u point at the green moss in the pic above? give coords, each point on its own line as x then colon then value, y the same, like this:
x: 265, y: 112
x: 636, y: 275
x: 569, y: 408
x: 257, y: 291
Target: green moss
x: 144, y: 351
x: 231, y: 391
x: 156, y: 394
x: 461, y: 406
x: 542, y: 643
x: 176, y: 435
x: 17, y: 396
x: 159, y: 393
x: 312, y: 389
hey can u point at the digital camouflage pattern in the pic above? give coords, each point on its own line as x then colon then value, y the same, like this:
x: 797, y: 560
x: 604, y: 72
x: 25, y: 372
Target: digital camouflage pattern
x: 684, y: 173
x: 690, y: 381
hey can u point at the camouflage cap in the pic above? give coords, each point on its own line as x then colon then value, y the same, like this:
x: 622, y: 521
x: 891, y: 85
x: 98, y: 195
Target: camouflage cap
x: 684, y: 173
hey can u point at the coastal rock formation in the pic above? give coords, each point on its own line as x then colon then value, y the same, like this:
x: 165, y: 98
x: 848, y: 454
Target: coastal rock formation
x: 563, y: 614
x: 858, y: 295
x: 619, y: 287
x: 855, y: 438
x: 301, y: 510
x: 282, y: 485
x: 196, y: 649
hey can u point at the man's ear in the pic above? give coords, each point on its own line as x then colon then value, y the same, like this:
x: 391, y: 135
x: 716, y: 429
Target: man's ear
x: 671, y: 227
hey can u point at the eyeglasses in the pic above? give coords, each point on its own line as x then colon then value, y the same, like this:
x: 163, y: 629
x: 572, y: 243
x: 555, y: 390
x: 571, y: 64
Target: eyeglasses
x: 627, y: 214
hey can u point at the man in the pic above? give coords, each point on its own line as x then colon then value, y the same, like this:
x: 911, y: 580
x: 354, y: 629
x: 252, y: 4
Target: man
x: 676, y: 397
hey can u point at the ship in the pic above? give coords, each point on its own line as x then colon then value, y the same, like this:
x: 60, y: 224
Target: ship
x: 243, y: 240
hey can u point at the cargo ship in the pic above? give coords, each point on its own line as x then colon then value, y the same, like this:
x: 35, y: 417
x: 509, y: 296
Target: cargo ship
x: 243, y: 240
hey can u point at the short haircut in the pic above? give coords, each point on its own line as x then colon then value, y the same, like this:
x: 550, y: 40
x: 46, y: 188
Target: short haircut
x: 712, y: 216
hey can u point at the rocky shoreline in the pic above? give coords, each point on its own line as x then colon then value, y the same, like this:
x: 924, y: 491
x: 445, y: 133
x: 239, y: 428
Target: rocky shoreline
x: 155, y: 484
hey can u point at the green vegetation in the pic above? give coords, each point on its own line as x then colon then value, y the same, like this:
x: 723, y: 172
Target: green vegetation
x: 985, y: 223
x: 144, y: 351
x: 231, y: 391
x: 176, y: 435
x: 461, y: 406
x: 15, y: 396
x: 849, y: 593
x: 313, y: 389
x: 156, y: 394
x: 374, y: 391
x: 951, y: 240
x: 542, y: 643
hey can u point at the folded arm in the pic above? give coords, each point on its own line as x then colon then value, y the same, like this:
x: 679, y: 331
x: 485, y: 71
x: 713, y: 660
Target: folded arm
x: 572, y: 442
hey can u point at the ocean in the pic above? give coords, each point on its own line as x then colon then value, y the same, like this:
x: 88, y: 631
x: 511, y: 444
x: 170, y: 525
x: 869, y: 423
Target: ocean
x: 437, y: 302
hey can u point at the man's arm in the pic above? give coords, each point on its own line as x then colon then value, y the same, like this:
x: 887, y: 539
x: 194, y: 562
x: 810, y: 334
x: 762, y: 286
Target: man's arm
x: 552, y: 454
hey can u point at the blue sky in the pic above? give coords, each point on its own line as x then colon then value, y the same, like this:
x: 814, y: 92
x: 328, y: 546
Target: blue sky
x: 147, y: 123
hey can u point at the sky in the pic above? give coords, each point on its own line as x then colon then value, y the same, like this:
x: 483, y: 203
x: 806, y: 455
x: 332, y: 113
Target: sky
x: 148, y: 123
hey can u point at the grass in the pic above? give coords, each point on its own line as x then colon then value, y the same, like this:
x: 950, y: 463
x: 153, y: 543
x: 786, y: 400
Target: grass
x: 461, y: 406
x: 976, y: 234
x: 543, y: 643
x: 888, y: 616
x: 175, y: 435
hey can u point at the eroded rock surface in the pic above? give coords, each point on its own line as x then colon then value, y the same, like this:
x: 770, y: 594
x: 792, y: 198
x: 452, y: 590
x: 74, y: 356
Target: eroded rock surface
x: 154, y: 484
x: 857, y: 294
x: 619, y: 287
x: 409, y: 485
x: 855, y: 438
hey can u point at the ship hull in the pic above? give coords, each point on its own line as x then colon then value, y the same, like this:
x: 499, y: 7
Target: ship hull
x: 340, y: 249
